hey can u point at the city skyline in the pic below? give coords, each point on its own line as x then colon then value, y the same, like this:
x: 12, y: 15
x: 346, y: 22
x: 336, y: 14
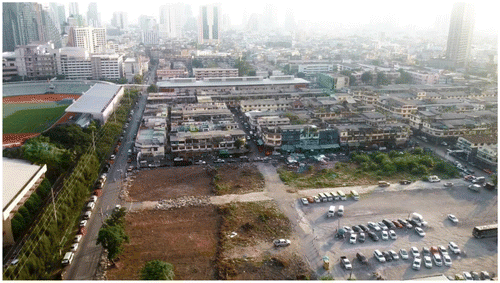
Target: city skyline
x: 426, y: 15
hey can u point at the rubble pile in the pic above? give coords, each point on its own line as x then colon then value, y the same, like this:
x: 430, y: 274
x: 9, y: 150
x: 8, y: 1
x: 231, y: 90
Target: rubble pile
x: 182, y: 202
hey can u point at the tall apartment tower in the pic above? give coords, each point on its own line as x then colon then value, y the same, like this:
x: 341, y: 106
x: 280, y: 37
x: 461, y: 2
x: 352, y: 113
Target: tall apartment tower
x: 119, y: 20
x: 91, y: 39
x: 209, y: 24
x: 460, y: 34
x: 171, y: 20
x: 73, y: 9
x: 93, y: 16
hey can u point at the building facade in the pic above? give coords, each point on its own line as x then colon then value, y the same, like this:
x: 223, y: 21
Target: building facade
x: 91, y: 39
x: 460, y: 33
x: 209, y: 24
x: 201, y: 73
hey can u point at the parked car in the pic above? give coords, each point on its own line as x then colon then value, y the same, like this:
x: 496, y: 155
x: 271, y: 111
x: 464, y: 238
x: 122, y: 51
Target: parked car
x: 361, y: 237
x: 362, y: 258
x: 475, y: 188
x: 356, y: 228
x: 383, y: 184
x: 382, y: 226
x: 379, y: 256
x: 417, y: 262
x: 393, y: 235
x: 281, y: 242
x: 419, y: 231
x: 414, y: 252
x: 447, y: 260
x: 485, y: 275
x: 373, y: 236
x: 352, y: 239
x: 83, y: 223
x: 426, y: 251
x: 443, y: 250
x: 345, y: 262
x: 448, y: 184
x: 467, y: 275
x: 374, y: 226
x: 348, y: 229
x: 414, y: 223
x: 387, y: 256
x: 453, y: 218
x: 394, y: 254
x: 454, y: 248
x: 403, y: 253
x: 405, y: 182
x: 73, y: 247
x: 304, y: 201
x: 427, y: 261
x: 385, y: 235
x: 364, y: 227
x: 397, y: 224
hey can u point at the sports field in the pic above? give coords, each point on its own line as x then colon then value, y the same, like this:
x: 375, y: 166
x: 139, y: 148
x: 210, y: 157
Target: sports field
x: 32, y: 120
x: 11, y: 108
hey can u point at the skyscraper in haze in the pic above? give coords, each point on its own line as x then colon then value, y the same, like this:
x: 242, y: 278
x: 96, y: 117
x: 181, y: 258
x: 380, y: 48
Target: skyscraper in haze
x: 73, y: 9
x: 119, y: 20
x: 172, y: 19
x: 209, y: 24
x: 93, y: 16
x: 460, y: 34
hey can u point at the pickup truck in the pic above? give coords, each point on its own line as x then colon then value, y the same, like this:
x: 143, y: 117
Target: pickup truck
x: 345, y: 262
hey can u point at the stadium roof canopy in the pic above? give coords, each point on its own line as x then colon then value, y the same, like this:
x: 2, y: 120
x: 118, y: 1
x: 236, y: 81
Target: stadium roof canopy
x: 95, y: 100
x: 19, y: 176
x: 42, y: 87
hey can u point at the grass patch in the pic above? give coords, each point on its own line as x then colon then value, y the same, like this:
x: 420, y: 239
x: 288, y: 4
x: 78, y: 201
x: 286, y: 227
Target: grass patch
x: 369, y: 169
x: 32, y: 120
x: 11, y: 108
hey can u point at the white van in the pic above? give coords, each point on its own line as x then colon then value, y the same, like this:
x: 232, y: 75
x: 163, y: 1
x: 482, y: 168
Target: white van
x: 329, y: 196
x: 68, y: 258
x: 322, y: 197
x: 335, y: 196
x: 341, y: 195
x: 340, y: 212
x: 355, y: 195
x: 331, y: 211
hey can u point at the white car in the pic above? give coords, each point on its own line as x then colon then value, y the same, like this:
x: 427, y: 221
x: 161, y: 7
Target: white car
x: 385, y: 235
x: 454, y: 248
x: 453, y: 218
x: 403, y: 253
x: 443, y: 250
x: 447, y: 260
x: 74, y: 247
x: 200, y: 162
x: 352, y: 239
x: 414, y: 252
x: 393, y: 235
x: 316, y: 199
x: 468, y: 276
x: 416, y: 263
x: 379, y: 256
x: 93, y: 198
x: 304, y: 201
x: 419, y: 231
x: 382, y: 226
x: 281, y: 243
x: 394, y: 255
x: 77, y: 238
x: 475, y: 188
x: 427, y: 261
x: 83, y: 223
x: 437, y: 259
x: 374, y: 226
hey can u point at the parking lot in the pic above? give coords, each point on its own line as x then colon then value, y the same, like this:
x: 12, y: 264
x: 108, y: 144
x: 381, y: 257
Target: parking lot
x: 472, y: 209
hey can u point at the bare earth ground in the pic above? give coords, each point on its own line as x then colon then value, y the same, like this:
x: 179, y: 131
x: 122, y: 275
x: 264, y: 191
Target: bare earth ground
x: 174, y: 182
x: 184, y: 237
x: 16, y: 139
x: 239, y: 179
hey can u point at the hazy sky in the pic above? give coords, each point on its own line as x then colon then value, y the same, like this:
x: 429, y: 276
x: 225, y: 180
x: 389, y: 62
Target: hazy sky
x: 422, y: 13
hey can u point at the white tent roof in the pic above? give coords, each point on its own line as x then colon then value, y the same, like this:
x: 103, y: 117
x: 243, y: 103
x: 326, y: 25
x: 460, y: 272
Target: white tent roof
x: 95, y: 100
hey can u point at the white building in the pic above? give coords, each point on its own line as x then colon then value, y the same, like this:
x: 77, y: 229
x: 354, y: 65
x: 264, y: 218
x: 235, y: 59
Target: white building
x: 74, y: 63
x: 311, y: 69
x: 201, y: 73
x: 107, y: 66
x: 92, y: 39
x: 171, y: 20
x: 150, y: 37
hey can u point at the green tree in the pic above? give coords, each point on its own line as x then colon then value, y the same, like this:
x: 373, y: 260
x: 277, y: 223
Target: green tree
x: 404, y: 78
x: 301, y: 75
x: 121, y: 81
x: 112, y: 238
x: 138, y: 79
x: 196, y: 63
x: 243, y: 67
x: 117, y: 217
x: 152, y: 88
x: 366, y: 77
x: 157, y: 270
x: 382, y: 79
x: 239, y: 143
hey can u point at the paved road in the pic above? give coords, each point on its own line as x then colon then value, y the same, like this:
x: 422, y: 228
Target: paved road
x: 87, y: 256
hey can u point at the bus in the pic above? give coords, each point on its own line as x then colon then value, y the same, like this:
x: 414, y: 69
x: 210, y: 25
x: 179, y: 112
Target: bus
x: 485, y: 231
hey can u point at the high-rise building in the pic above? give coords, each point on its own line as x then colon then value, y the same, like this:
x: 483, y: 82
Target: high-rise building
x: 73, y: 9
x: 93, y: 16
x: 209, y: 24
x: 171, y: 20
x: 119, y: 20
x: 460, y: 34
x: 26, y: 22
x: 91, y: 39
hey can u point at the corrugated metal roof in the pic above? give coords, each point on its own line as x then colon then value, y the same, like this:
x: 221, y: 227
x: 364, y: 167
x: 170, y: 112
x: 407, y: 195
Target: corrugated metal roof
x: 95, y: 99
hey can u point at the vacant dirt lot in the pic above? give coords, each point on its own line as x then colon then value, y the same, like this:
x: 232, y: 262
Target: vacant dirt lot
x: 174, y: 182
x: 37, y: 98
x: 238, y: 179
x: 184, y: 237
